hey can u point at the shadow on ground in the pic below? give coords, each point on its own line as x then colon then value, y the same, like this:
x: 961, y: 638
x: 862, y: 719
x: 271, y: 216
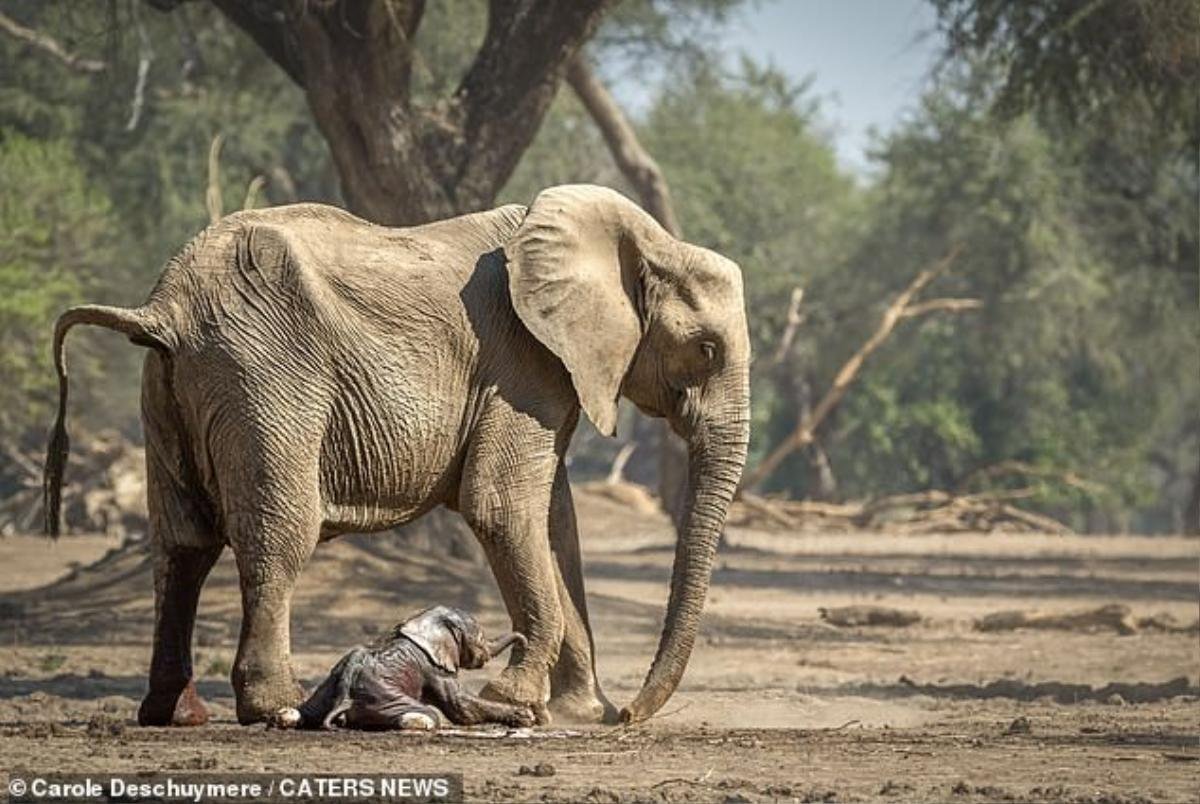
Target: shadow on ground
x: 1059, y: 692
x: 1048, y: 585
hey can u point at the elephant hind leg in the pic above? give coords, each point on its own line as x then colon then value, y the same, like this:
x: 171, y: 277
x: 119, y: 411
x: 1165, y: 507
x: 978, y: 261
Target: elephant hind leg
x: 172, y: 699
x: 333, y: 697
x: 184, y: 547
x: 272, y: 518
x: 271, y: 552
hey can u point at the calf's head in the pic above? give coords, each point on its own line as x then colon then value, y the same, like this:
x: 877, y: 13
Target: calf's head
x: 453, y: 639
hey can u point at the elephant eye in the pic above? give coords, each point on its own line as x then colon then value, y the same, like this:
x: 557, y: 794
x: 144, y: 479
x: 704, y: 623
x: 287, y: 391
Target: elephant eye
x: 710, y: 351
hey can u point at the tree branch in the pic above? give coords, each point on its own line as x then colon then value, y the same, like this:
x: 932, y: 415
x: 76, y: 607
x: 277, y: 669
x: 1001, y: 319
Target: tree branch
x: 212, y: 192
x: 268, y: 29
x: 48, y: 44
x: 633, y: 160
x: 616, y: 472
x: 941, y: 305
x: 1029, y: 470
x: 899, y: 309
x: 505, y: 93
x: 794, y: 319
x: 399, y: 163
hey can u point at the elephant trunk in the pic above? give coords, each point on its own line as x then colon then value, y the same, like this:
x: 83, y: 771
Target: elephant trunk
x: 716, y: 455
x: 504, y: 642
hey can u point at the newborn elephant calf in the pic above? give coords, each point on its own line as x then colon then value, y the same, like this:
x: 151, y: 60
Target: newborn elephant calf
x: 406, y: 680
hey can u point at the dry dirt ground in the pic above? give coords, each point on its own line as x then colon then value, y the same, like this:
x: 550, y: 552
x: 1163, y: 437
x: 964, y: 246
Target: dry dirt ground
x: 776, y: 705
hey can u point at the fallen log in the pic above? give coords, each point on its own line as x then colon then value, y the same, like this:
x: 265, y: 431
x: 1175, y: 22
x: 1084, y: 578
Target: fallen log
x: 929, y: 511
x: 1167, y: 623
x: 1112, y: 617
x: 853, y: 616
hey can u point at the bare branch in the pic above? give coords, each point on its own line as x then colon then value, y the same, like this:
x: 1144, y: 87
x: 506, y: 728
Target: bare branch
x: 1038, y: 522
x: 21, y: 460
x: 1029, y: 470
x: 794, y: 319
x: 505, y: 93
x: 760, y: 505
x: 212, y: 195
x: 48, y: 44
x: 145, y: 56
x: 941, y: 305
x: 617, y: 472
x: 252, y: 190
x: 633, y: 160
x: 807, y: 426
x: 929, y: 511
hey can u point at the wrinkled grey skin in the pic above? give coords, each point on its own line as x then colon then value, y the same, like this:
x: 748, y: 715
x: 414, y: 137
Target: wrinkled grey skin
x: 311, y: 374
x: 411, y: 670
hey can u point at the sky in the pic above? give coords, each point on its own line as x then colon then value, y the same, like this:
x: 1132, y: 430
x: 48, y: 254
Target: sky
x: 869, y: 59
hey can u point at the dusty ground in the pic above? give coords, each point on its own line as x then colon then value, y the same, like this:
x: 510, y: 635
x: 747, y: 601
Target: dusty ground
x: 777, y: 705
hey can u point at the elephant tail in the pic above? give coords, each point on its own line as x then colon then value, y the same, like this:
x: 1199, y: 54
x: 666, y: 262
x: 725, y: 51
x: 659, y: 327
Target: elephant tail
x: 144, y: 328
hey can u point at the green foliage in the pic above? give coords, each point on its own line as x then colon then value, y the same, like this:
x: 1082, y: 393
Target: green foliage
x: 447, y: 41
x: 1083, y: 248
x: 56, y: 238
x: 109, y: 203
x: 752, y: 178
x: 1084, y: 58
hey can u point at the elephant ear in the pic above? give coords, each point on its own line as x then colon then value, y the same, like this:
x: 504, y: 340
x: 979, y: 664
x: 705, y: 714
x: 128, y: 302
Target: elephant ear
x: 575, y: 268
x: 430, y: 632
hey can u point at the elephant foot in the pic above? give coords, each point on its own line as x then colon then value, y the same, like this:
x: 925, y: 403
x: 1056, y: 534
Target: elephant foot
x: 518, y: 688
x: 184, y: 708
x: 582, y: 707
x: 261, y: 699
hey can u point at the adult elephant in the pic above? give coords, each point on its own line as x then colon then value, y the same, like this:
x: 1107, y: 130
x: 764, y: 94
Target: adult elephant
x: 313, y: 374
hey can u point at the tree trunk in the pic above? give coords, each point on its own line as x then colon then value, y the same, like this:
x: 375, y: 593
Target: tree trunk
x: 1191, y: 514
x: 400, y: 162
x: 820, y: 483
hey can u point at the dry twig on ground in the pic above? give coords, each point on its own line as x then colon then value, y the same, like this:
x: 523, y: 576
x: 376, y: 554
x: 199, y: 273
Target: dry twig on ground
x: 1023, y: 469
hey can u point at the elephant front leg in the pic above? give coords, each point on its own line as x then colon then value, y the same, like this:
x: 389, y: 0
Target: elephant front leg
x: 520, y: 559
x: 505, y: 497
x: 575, y: 695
